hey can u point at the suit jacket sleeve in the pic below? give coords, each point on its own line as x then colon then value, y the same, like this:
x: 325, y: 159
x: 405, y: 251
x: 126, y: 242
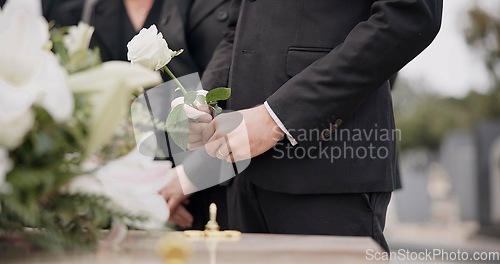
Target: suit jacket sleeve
x: 217, y: 72
x: 334, y: 86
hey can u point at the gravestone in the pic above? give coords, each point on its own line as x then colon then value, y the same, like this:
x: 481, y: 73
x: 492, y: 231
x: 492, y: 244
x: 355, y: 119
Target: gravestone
x: 495, y: 182
x: 457, y: 156
x: 486, y: 134
x: 412, y: 202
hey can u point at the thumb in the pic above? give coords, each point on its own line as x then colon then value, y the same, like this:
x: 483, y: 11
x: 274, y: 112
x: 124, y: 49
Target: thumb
x: 197, y: 115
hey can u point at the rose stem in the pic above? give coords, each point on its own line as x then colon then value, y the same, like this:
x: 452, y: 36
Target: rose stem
x: 172, y: 76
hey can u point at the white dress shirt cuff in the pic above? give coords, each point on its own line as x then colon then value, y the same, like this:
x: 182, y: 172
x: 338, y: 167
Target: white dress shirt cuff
x: 280, y: 124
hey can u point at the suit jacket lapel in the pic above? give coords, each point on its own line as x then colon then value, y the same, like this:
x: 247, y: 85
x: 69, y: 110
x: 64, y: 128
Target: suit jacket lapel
x: 171, y: 24
x: 184, y: 6
x: 107, y: 19
x: 201, y: 9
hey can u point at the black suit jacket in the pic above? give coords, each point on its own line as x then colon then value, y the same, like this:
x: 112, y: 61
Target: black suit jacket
x: 323, y: 66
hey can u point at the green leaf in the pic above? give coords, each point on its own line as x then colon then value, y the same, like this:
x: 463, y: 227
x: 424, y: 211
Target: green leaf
x: 218, y: 94
x: 177, y: 126
x: 190, y: 97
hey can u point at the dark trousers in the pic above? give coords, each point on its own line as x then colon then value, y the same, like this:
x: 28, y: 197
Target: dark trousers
x: 255, y: 210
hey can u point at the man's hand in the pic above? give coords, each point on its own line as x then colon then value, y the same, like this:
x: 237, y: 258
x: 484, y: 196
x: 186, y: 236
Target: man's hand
x: 199, y: 118
x: 181, y: 216
x: 241, y: 135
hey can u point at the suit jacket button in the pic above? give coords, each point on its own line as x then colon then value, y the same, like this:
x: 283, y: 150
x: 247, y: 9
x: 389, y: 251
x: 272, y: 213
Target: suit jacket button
x: 222, y: 15
x: 164, y: 21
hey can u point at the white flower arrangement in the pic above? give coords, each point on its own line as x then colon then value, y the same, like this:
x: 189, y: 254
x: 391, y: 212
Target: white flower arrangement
x: 57, y: 110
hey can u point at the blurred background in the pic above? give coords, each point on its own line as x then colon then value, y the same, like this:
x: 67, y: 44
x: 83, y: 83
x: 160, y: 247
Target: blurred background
x: 447, y: 105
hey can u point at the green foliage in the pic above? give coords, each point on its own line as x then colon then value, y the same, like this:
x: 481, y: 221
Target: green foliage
x: 483, y: 35
x: 218, y: 94
x: 50, y: 158
x: 428, y: 118
x: 177, y: 125
x: 35, y: 204
x: 79, y: 61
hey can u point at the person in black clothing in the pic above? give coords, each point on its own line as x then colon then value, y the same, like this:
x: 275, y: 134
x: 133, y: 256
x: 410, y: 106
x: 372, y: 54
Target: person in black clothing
x: 193, y: 25
x: 308, y: 76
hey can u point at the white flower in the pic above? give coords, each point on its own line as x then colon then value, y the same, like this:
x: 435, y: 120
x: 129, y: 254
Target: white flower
x: 16, y: 116
x: 149, y: 49
x: 5, y: 166
x: 132, y: 183
x: 78, y: 38
x: 29, y: 74
x: 112, y: 83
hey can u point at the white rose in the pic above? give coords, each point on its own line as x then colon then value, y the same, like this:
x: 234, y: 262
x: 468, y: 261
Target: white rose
x: 149, y: 49
x: 5, y: 166
x: 78, y: 38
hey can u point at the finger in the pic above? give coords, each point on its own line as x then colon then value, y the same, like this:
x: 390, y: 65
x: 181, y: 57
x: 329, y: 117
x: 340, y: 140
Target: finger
x: 239, y: 152
x: 193, y: 138
x: 186, y: 202
x: 197, y: 128
x: 223, y: 150
x: 179, y: 221
x: 205, y: 109
x: 228, y: 122
x: 197, y: 115
x: 204, y: 118
x: 179, y: 218
x: 208, y: 132
x: 195, y: 145
x: 185, y: 215
x: 238, y: 143
x: 213, y: 145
